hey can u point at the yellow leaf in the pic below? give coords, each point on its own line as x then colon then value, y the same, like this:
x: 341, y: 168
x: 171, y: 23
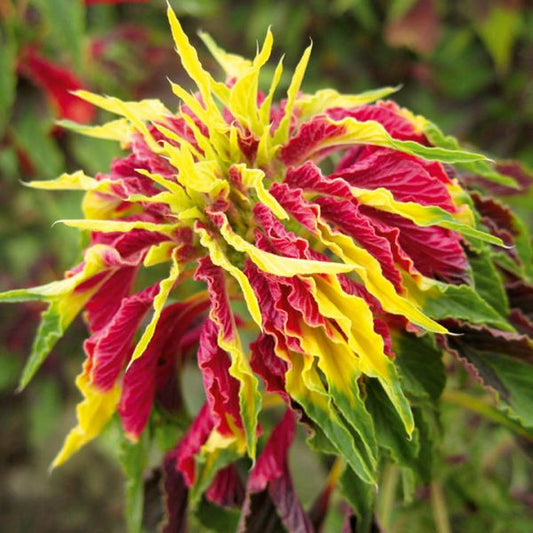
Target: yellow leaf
x: 93, y: 414
x: 280, y: 265
x: 369, y: 270
x: 165, y: 286
x: 219, y: 258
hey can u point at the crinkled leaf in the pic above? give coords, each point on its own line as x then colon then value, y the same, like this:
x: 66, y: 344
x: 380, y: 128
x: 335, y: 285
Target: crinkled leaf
x: 489, y: 356
x: 503, y: 221
x: 488, y: 282
x: 482, y: 168
x: 303, y: 383
x: 50, y: 330
x: 462, y: 302
x: 512, y: 379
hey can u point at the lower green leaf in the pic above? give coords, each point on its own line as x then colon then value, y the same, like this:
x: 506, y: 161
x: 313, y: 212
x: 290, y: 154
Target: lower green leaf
x: 133, y: 458
x: 462, y: 302
x: 50, y: 330
x: 216, y: 518
x: 390, y: 430
x: 420, y: 366
x: 360, y: 496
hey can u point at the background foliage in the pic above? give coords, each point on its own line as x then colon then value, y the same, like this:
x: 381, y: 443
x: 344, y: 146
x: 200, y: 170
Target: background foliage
x: 465, y: 65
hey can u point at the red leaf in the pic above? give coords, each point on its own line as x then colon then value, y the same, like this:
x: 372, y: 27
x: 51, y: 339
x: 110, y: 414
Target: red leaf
x: 302, y: 146
x: 272, y: 463
x: 105, y: 303
x: 222, y: 389
x: 284, y: 242
x: 514, y: 169
x: 226, y: 489
x: 191, y: 443
x: 348, y: 219
x: 140, y: 381
x: 271, y: 472
x: 267, y: 364
x: 57, y: 82
x: 279, y: 319
x: 484, y: 338
x: 405, y: 176
x: 435, y: 251
x: 110, y: 347
x: 215, y: 278
x: 176, y: 492
x: 388, y: 114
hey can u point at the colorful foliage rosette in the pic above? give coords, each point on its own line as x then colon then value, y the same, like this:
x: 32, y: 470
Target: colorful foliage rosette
x: 319, y: 255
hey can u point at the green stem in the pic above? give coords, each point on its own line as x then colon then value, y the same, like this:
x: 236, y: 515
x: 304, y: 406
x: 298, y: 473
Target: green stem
x: 440, y: 512
x: 480, y: 407
x: 391, y: 475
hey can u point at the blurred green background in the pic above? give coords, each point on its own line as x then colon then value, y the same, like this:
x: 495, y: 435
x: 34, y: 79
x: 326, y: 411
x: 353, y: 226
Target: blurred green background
x: 465, y: 65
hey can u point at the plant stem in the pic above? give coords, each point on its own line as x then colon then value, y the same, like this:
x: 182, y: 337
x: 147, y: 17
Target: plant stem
x: 440, y: 512
x: 391, y: 474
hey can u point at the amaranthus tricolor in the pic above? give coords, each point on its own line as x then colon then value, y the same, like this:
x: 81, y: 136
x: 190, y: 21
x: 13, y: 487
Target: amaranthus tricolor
x: 328, y: 272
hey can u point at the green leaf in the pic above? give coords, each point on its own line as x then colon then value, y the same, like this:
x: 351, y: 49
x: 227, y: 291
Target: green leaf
x: 427, y: 423
x: 482, y: 168
x: 50, y: 330
x: 499, y: 30
x: 93, y: 154
x: 524, y: 247
x: 362, y: 10
x: 488, y: 282
x: 360, y: 497
x: 217, y: 518
x: 133, y: 458
x: 454, y: 156
x: 511, y: 379
x: 502, y: 260
x: 9, y: 371
x: 334, y: 430
x: 462, y: 302
x: 398, y: 8
x: 318, y: 406
x: 420, y: 366
x: 353, y: 411
x: 390, y: 430
x: 32, y: 136
x: 22, y: 295
x: 8, y: 79
x: 207, y: 465
x: 66, y: 21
